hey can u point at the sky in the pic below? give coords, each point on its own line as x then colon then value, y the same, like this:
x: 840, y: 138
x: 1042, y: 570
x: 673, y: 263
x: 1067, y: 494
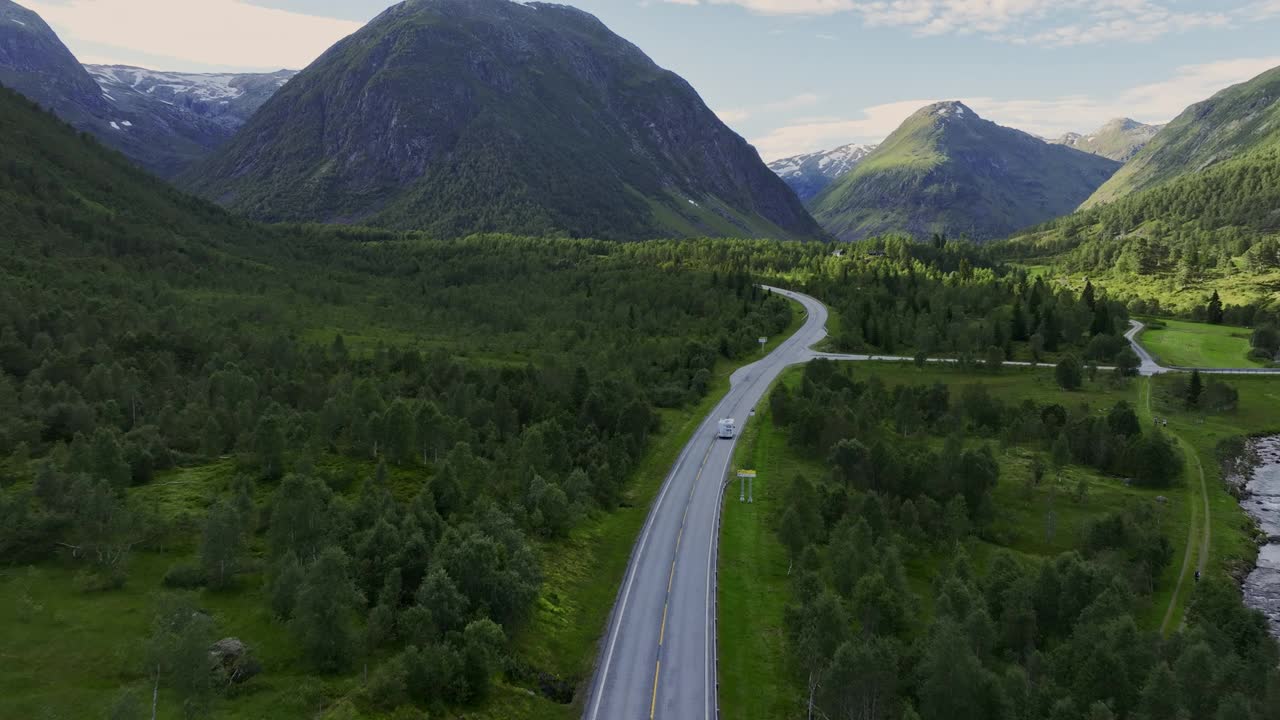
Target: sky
x: 792, y: 76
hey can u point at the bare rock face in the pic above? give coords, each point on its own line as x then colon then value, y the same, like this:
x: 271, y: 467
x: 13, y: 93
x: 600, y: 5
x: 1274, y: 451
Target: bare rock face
x: 463, y: 116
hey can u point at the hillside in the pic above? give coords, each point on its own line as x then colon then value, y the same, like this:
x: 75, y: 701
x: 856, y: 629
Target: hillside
x: 1174, y: 244
x: 461, y: 116
x: 1234, y: 121
x: 946, y: 170
x: 34, y: 62
x: 1120, y: 139
x: 162, y: 121
x: 811, y: 173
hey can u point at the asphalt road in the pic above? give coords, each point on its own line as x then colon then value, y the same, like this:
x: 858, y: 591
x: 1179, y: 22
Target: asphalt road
x: 658, y: 658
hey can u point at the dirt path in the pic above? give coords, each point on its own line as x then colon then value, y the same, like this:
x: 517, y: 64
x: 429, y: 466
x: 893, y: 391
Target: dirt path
x: 1198, y: 510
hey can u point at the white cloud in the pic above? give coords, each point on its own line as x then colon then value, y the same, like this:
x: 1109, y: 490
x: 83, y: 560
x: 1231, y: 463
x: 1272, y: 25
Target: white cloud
x: 822, y: 133
x: 736, y: 115
x: 1052, y: 23
x: 782, y: 7
x: 200, y: 32
x: 1263, y: 9
x: 1157, y: 103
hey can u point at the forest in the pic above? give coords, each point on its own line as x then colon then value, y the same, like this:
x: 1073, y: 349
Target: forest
x: 910, y: 472
x: 392, y: 424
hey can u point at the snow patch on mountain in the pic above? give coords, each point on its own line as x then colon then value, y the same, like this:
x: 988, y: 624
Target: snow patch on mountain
x: 190, y: 87
x: 810, y: 173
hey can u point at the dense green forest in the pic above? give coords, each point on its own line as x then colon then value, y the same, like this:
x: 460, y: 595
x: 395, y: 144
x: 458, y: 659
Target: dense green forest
x: 1215, y: 229
x: 910, y: 474
x: 392, y: 423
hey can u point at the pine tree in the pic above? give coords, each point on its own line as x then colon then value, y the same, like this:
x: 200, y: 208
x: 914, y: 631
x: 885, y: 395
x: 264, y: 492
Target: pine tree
x: 1195, y: 387
x: 1214, y: 310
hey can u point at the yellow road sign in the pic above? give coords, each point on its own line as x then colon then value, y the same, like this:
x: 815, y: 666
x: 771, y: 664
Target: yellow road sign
x: 746, y: 473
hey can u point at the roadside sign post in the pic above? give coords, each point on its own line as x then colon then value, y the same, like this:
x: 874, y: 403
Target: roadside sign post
x: 745, y: 482
x: 763, y: 341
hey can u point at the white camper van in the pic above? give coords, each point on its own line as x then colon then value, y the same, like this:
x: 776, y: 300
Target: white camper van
x: 728, y: 428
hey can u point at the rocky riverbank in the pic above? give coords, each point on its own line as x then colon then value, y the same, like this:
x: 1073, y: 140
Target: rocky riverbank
x: 1260, y: 497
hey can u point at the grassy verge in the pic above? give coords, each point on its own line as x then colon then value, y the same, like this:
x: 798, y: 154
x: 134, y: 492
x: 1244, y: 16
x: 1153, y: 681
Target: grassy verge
x: 1189, y: 344
x: 755, y: 681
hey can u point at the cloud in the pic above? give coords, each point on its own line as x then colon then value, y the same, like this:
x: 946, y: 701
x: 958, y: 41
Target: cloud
x: 781, y: 7
x: 821, y: 133
x: 736, y: 115
x: 1262, y: 10
x: 1050, y: 23
x: 228, y: 33
x: 1157, y: 103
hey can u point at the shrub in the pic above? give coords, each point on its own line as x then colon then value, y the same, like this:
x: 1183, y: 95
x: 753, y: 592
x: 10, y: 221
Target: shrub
x: 184, y: 575
x: 1069, y: 374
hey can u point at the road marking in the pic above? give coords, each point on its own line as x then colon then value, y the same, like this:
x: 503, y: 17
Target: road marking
x: 631, y: 575
x: 662, y: 630
x: 653, y: 703
x: 662, y: 634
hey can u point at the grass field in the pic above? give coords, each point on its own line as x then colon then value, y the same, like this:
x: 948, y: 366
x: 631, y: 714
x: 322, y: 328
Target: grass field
x: 1188, y: 344
x: 755, y: 680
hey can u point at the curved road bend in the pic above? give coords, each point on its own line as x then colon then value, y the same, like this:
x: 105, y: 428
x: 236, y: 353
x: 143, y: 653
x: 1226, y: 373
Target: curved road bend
x: 658, y: 657
x: 1150, y: 366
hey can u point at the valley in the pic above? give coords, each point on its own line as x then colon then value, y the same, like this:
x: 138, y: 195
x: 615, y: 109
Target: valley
x: 395, y: 386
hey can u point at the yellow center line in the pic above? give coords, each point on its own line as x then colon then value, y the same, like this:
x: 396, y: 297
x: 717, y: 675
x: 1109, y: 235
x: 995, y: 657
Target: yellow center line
x: 653, y: 704
x: 662, y: 631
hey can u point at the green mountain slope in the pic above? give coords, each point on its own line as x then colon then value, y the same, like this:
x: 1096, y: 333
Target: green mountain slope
x: 1238, y: 119
x: 1175, y: 243
x: 945, y: 170
x: 1120, y: 139
x: 462, y: 116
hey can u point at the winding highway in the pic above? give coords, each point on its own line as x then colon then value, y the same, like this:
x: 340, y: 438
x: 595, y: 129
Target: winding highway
x: 658, y: 656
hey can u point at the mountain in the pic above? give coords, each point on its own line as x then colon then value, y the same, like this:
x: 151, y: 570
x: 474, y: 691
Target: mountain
x: 946, y: 170
x: 810, y: 174
x: 162, y: 121
x: 463, y: 116
x: 34, y: 62
x: 224, y: 100
x: 1120, y: 139
x: 1235, y: 121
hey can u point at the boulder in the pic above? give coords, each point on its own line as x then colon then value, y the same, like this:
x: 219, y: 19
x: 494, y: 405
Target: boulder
x: 232, y: 659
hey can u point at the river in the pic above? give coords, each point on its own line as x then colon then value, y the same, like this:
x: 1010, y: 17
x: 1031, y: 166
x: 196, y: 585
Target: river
x: 1262, y: 501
